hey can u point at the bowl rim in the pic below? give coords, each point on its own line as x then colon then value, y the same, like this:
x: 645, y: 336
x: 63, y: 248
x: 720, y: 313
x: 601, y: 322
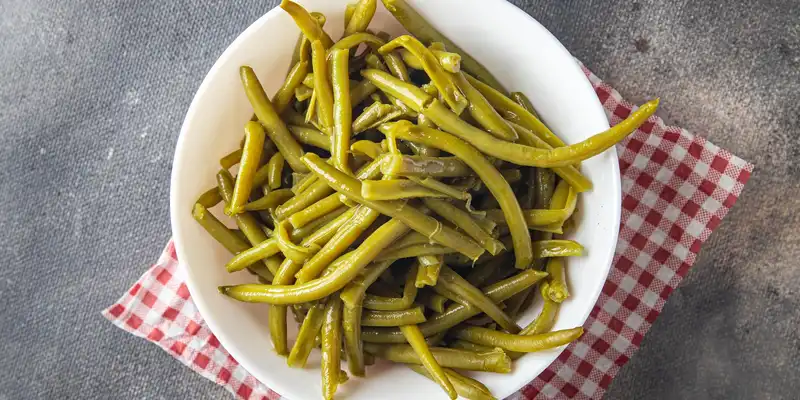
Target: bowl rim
x: 276, y: 385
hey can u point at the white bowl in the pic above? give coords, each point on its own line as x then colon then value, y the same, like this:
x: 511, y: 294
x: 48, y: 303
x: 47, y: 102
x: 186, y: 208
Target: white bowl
x: 521, y: 53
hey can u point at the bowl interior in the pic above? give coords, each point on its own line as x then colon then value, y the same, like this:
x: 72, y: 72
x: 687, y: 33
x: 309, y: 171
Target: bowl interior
x: 522, y: 54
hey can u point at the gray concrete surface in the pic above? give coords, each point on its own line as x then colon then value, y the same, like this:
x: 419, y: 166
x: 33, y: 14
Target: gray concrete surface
x: 92, y: 96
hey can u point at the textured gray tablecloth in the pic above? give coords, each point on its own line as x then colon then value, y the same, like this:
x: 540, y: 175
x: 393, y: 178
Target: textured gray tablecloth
x: 93, y: 93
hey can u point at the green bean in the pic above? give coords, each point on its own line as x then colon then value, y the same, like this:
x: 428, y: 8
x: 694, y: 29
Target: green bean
x: 269, y: 118
x: 246, y: 222
x: 466, y: 387
x: 439, y: 167
x: 428, y: 271
x: 511, y: 176
x: 416, y: 220
x: 381, y: 303
x: 412, y: 239
x: 349, y: 10
x: 370, y: 116
x: 393, y: 318
x: 342, y: 110
x: 494, y: 360
x: 348, y: 233
x: 396, y: 66
x: 533, y: 218
x: 523, y: 101
x: 209, y: 198
x: 351, y: 326
x: 251, y: 154
x: 367, y: 148
x: 218, y: 230
x: 512, y: 152
x: 310, y: 27
x: 322, y: 86
x: 331, y: 347
x: 272, y: 200
x: 231, y: 159
x: 451, y: 281
x: 557, y: 287
x: 305, y: 337
x: 450, y: 62
x: 458, y: 313
x: 419, y: 27
x: 330, y: 223
x: 483, y: 112
x: 353, y: 294
x: 523, y: 344
x: 479, y: 274
x: 444, y: 83
x: 361, y: 17
x: 315, y: 211
x: 277, y: 313
x: 469, y: 346
x: 433, y: 301
x: 293, y: 117
x: 298, y: 254
x: 283, y: 97
x: 308, y: 81
x: 395, y: 189
x: 247, y: 257
x: 303, y: 93
x: 546, y: 319
x: 315, y: 192
x: 262, y: 272
x: 311, y: 137
x: 240, y: 234
x: 424, y: 356
x: 557, y: 248
x: 361, y: 91
x: 498, y: 186
x: 464, y: 221
x: 352, y: 41
x: 275, y: 168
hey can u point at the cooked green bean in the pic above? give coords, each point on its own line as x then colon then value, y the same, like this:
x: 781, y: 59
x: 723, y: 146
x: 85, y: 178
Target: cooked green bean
x: 511, y: 176
x: 393, y: 318
x: 348, y: 233
x: 310, y: 27
x: 465, y: 345
x: 218, y: 230
x: 465, y: 386
x: 322, y: 86
x: 439, y: 167
x: 311, y: 137
x: 331, y: 347
x: 494, y: 360
x: 283, y: 97
x: 231, y: 159
x: 361, y: 91
x: 342, y: 110
x: 370, y: 116
x: 315, y: 192
x: 557, y: 285
x: 483, y: 112
x: 315, y: 211
x: 270, y: 119
x: 419, y: 27
x: 450, y: 62
x: 458, y: 313
x: 546, y: 319
x: 485, y: 170
x: 381, y: 303
x: 507, y: 151
x: 480, y: 273
x: 249, y: 256
x: 424, y: 356
x: 351, y: 327
x: 352, y: 41
x: 275, y: 168
x: 433, y: 301
x: 523, y: 101
x: 361, y: 17
x: 519, y: 343
x: 412, y: 239
x: 395, y: 189
x: 396, y: 66
x: 557, y: 248
x: 353, y: 294
x: 305, y: 337
x: 303, y: 93
x: 272, y: 200
x: 298, y: 254
x: 365, y: 147
x: 209, y: 198
x: 251, y: 155
x: 351, y: 188
x: 334, y: 218
x: 428, y: 270
x: 277, y: 313
x: 453, y: 282
x: 245, y: 221
x: 533, y: 218
x: 444, y: 83
x: 464, y: 221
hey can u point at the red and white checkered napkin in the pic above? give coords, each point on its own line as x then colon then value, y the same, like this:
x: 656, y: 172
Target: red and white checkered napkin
x: 676, y: 187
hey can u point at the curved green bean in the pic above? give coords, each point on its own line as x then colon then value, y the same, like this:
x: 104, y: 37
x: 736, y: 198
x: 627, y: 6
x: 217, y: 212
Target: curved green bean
x: 275, y: 168
x: 303, y: 93
x: 393, y: 318
x: 353, y: 294
x: 367, y: 148
x: 494, y: 360
x: 331, y: 347
x: 251, y: 255
x: 298, y: 254
x: 353, y: 40
x: 209, y: 198
x: 271, y: 120
x: 323, y: 91
x: 361, y: 17
x: 523, y: 101
x: 283, y: 97
x: 424, y: 356
x: 491, y: 177
x: 415, y: 219
x: 311, y: 28
x: 466, y: 387
x: 315, y: 192
x: 518, y: 343
x: 231, y: 159
x: 557, y: 285
x: 428, y: 271
x: 395, y: 65
x: 315, y: 211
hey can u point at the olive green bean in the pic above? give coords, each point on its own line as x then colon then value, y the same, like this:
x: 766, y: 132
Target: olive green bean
x: 361, y: 91
x: 231, y: 159
x: 218, y: 230
x: 494, y: 360
x: 247, y: 257
x: 322, y: 86
x: 557, y: 248
x: 458, y: 313
x: 428, y: 270
x: 272, y: 200
x: 342, y: 110
x: 511, y: 176
x: 498, y: 186
x: 251, y: 155
x: 450, y: 62
x: 351, y: 327
x: 469, y: 346
x: 533, y: 217
x: 361, y: 17
x: 275, y: 168
x: 464, y: 221
x: 245, y: 221
x: 351, y: 188
x: 353, y: 294
x: 367, y: 148
x: 393, y: 318
x: 277, y: 313
x: 466, y: 387
x: 434, y: 301
x: 518, y: 343
x: 303, y: 93
x: 523, y: 101
x: 298, y: 254
x: 424, y: 356
x: 315, y: 211
x: 412, y: 239
x: 352, y: 41
x: 317, y: 191
x: 479, y: 274
x: 483, y: 112
x: 334, y: 218
x: 283, y: 97
x: 331, y: 347
x: 395, y: 189
x: 395, y: 65
x: 419, y: 27
x: 557, y: 285
x: 382, y: 303
x: 311, y: 28
x: 453, y: 282
x: 270, y: 119
x: 209, y: 198
x: 438, y: 167
x: 311, y: 137
x: 305, y: 337
x: 371, y: 115
x: 546, y: 319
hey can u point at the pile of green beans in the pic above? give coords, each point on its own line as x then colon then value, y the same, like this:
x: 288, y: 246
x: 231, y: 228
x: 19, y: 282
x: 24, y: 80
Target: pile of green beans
x: 401, y: 205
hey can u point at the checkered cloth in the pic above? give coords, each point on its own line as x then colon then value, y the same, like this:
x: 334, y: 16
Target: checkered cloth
x: 676, y: 188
